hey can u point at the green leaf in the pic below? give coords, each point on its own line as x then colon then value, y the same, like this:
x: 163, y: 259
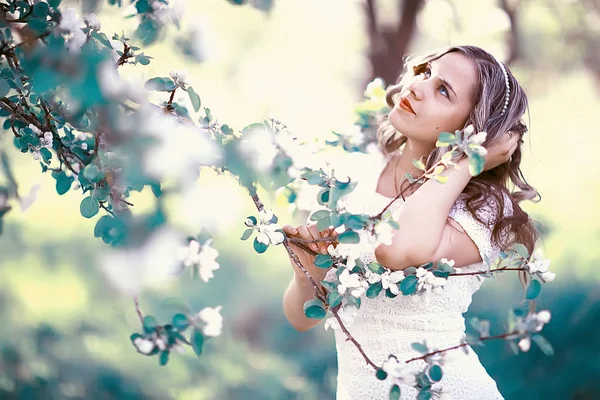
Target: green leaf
x: 247, y: 233
x: 543, y: 344
x: 395, y: 392
x: 376, y: 267
x: 314, y: 309
x: 446, y: 137
x: 420, y: 347
x: 92, y: 173
x: 180, y: 321
x: 424, y: 394
x: 476, y: 164
x: 142, y: 6
x: 46, y: 155
x: 355, y: 222
x: 408, y: 285
x: 374, y: 290
x: 334, y: 298
x: 381, y: 374
x: 317, y: 215
x: 164, y: 357
x: 323, y: 224
x: 197, y: 340
x: 435, y: 373
x: 4, y: 88
x: 331, y: 286
x: 323, y: 261
x: 533, y: 290
x: 226, y: 130
x: 160, y: 84
x: 194, y: 98
x: 521, y: 250
x: 89, y: 207
x: 150, y: 323
x: 63, y: 182
x: 349, y: 237
x: 54, y: 3
x: 260, y: 247
x: 419, y: 164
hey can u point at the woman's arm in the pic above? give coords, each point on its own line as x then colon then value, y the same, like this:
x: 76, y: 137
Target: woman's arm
x: 422, y: 221
x: 298, y: 292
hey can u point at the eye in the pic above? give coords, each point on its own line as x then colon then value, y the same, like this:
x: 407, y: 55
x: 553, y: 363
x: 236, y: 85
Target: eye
x: 442, y: 89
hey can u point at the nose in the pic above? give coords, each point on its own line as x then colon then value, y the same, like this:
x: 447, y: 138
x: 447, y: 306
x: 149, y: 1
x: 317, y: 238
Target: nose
x: 416, y: 89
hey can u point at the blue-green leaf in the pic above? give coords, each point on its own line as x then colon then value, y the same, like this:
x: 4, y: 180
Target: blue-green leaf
x: 259, y: 246
x: 334, y: 299
x: 89, y: 207
x: 394, y: 392
x: 349, y: 237
x: 247, y: 233
x: 374, y: 290
x: 197, y: 340
x: 381, y: 374
x: 543, y: 344
x: 314, y: 309
x: 408, y: 285
x: 476, y: 164
x: 323, y: 261
x: 194, y: 98
x: 180, y: 321
x: 317, y: 215
x: 4, y: 88
x: 164, y: 357
x: 150, y: 323
x: 534, y: 289
x: 435, y: 373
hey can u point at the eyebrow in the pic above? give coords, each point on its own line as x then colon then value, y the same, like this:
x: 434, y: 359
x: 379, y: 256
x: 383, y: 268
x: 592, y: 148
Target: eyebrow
x: 445, y: 82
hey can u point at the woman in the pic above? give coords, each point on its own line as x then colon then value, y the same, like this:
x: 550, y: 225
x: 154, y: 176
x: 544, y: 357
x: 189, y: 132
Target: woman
x: 467, y: 219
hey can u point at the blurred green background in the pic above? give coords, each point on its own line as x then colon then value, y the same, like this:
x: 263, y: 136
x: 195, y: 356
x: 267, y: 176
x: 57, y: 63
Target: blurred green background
x: 65, y: 331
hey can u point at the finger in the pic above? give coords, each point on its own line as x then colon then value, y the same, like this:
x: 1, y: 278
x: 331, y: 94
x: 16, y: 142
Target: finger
x: 305, y: 234
x: 290, y: 230
x: 324, y: 245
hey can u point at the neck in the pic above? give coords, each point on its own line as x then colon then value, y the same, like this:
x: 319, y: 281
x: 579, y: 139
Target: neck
x: 413, y: 150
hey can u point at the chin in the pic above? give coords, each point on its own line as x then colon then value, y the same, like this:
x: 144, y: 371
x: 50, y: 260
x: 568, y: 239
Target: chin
x: 395, y: 119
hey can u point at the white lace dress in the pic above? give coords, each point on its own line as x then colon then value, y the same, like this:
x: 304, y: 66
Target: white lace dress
x: 387, y: 326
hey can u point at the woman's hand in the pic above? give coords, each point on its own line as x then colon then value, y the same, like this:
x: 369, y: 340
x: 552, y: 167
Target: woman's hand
x: 307, y: 259
x: 500, y: 152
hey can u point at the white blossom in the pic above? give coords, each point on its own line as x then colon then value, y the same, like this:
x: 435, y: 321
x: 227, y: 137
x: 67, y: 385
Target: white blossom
x: 404, y: 372
x: 351, y: 282
x: 202, y: 256
x: 547, y: 276
x: 213, y: 319
x: 160, y: 343
x: 543, y: 316
x: 538, y: 263
x: 268, y: 233
x: 383, y: 233
x: 69, y: 20
x: 149, y: 265
x: 389, y: 280
x: 447, y: 262
x: 258, y: 148
x: 349, y: 251
x: 144, y: 346
x: 469, y: 130
x: 179, y: 77
x: 46, y: 140
x: 375, y: 89
x: 525, y: 343
x: 478, y: 138
x: 29, y: 199
x: 427, y: 281
x: 346, y: 313
x: 92, y: 21
x: 70, y: 24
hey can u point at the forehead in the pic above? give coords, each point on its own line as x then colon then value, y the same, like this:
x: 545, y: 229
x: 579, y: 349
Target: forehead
x: 461, y: 72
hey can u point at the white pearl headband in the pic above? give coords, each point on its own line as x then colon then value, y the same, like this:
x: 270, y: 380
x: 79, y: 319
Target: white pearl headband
x: 507, y: 86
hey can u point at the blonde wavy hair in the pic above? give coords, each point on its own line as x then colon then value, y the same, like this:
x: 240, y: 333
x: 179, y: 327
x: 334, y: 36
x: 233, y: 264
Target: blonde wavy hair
x: 486, y: 116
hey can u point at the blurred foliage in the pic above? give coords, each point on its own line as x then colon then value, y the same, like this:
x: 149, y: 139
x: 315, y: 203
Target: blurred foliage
x: 64, y: 332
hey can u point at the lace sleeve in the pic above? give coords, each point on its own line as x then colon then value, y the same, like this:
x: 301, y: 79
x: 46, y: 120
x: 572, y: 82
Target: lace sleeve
x: 481, y: 234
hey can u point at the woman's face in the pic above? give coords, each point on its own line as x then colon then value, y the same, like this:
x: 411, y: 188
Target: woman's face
x: 441, y: 96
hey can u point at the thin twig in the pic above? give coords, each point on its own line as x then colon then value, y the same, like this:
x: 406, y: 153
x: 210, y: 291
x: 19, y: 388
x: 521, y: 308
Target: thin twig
x: 137, y: 310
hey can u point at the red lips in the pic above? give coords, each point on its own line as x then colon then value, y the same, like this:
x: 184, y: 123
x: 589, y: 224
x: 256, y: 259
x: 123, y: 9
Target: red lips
x: 404, y: 103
